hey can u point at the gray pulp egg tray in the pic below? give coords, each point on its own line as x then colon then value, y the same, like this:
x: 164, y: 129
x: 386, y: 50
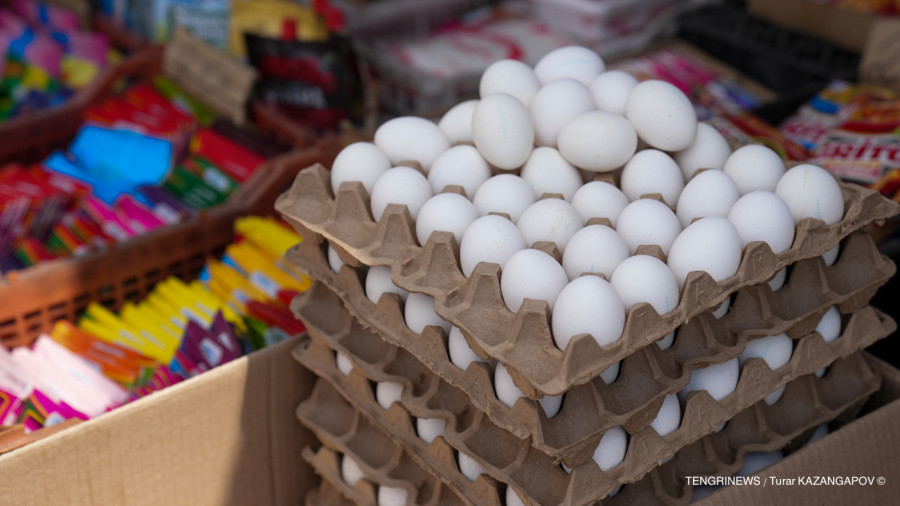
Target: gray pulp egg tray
x: 646, y: 376
x: 757, y: 430
x: 522, y: 340
x: 397, y: 460
x: 326, y: 494
x: 345, y: 406
x: 393, y: 468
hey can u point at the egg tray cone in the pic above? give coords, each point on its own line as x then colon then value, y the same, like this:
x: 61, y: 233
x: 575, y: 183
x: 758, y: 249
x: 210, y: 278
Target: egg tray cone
x: 329, y: 493
x: 387, y: 459
x: 808, y: 402
x: 633, y: 400
x: 513, y: 460
x: 522, y: 341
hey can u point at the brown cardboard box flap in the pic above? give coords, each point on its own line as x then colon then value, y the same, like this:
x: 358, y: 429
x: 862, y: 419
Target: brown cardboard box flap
x: 472, y: 305
x: 842, y: 27
x: 327, y: 494
x: 880, y: 63
x: 226, y: 437
x: 216, y: 79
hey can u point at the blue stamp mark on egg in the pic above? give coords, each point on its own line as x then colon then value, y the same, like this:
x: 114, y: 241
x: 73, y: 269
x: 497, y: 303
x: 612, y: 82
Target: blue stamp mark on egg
x: 666, y: 300
x: 818, y: 208
x: 504, y: 121
x: 766, y: 351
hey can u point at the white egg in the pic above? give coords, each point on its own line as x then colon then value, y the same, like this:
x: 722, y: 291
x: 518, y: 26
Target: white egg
x: 350, y: 470
x: 666, y: 342
x: 429, y: 428
x: 662, y: 115
x: 718, y: 380
x: 597, y: 141
x: 411, y: 139
x: 469, y: 467
x: 512, y: 77
x: 830, y: 256
x: 575, y: 62
x: 532, y: 274
x: 754, y: 167
x: 597, y: 199
x: 611, y: 450
x: 548, y: 172
x: 821, y: 431
x: 334, y: 260
x: 778, y: 280
x: 360, y: 161
x: 551, y: 404
x: 388, y: 392
x: 594, y: 249
x: 446, y: 212
x: 491, y: 239
x: 652, y: 171
x: 762, y: 216
x: 504, y: 386
x: 722, y: 310
x: 709, y: 244
x: 775, y: 350
x: 343, y: 363
x: 775, y: 395
x: 400, y: 185
x: 648, y: 222
x: 811, y: 192
x: 460, y: 165
x: 708, y: 151
x: 588, y: 304
x: 554, y: 105
x: 504, y: 193
x: 456, y: 123
x: 710, y: 193
x: 611, y: 373
x: 512, y: 499
x: 391, y: 496
x: 668, y: 418
x: 503, y: 131
x: 829, y: 326
x: 757, y: 461
x: 378, y: 282
x: 643, y: 278
x: 553, y: 220
x: 610, y: 90
x: 461, y: 355
x: 419, y: 313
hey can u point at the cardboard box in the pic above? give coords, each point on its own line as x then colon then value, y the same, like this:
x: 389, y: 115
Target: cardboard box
x: 842, y: 27
x: 866, y: 447
x: 226, y: 437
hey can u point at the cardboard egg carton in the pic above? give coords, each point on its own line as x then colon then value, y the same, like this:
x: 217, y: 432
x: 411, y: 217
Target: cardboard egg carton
x: 646, y: 376
x: 384, y: 458
x: 522, y: 340
x: 835, y: 399
x: 328, y: 494
x: 516, y: 462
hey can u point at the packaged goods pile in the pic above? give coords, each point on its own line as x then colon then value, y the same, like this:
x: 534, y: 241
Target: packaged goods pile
x: 569, y: 291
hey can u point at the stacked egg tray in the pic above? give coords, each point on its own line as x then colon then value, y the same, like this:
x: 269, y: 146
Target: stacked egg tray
x: 520, y: 448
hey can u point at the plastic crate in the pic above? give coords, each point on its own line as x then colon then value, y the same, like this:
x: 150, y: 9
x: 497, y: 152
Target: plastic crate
x: 35, y: 298
x: 792, y: 64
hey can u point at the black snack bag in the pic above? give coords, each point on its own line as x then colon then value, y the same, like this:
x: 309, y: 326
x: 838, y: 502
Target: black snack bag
x: 316, y: 84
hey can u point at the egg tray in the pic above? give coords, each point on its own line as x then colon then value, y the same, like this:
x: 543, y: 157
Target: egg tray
x: 837, y: 398
x: 326, y: 462
x: 327, y: 494
x: 647, y: 375
x: 522, y: 340
x: 504, y: 456
x: 385, y: 458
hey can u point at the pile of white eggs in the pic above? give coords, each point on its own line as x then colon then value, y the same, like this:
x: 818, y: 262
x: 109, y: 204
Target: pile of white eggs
x: 549, y: 130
